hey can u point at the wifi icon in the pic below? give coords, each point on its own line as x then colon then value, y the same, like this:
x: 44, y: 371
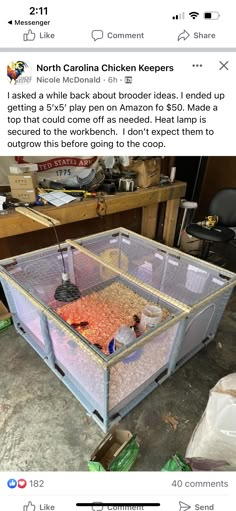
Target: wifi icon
x: 194, y: 14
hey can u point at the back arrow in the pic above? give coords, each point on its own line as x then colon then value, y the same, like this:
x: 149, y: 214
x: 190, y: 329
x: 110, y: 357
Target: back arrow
x: 184, y: 35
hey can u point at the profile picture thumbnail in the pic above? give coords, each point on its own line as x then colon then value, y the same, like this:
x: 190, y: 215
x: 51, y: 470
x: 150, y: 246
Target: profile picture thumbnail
x: 18, y: 72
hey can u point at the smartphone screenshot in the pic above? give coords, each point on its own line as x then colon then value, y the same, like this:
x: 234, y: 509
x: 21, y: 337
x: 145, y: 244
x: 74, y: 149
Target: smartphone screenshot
x: 117, y: 256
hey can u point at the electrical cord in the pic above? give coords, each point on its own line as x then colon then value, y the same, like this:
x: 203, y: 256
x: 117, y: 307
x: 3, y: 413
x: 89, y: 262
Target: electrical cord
x: 66, y: 291
x: 59, y: 245
x: 57, y: 240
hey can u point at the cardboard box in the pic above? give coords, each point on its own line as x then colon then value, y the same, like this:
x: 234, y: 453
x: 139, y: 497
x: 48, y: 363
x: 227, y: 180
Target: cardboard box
x: 5, y: 317
x: 148, y: 171
x: 189, y: 244
x: 116, y: 453
x: 15, y: 170
x: 25, y: 181
x: 25, y: 167
x: 24, y: 195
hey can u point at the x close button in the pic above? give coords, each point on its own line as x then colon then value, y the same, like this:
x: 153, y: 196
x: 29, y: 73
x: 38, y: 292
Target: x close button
x: 224, y: 65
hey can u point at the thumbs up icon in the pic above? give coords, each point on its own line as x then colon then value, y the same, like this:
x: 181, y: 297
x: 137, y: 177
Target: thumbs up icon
x: 29, y: 507
x: 30, y: 36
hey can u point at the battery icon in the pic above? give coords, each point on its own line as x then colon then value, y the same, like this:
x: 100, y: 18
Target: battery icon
x: 211, y: 15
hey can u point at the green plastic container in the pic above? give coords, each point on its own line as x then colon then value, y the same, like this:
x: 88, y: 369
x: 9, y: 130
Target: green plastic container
x: 5, y: 317
x: 176, y: 464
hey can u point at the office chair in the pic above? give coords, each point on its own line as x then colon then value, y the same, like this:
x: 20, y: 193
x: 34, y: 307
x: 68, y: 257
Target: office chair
x: 223, y: 204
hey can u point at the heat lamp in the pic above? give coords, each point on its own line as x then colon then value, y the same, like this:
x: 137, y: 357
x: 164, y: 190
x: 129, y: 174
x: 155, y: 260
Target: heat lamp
x: 66, y: 291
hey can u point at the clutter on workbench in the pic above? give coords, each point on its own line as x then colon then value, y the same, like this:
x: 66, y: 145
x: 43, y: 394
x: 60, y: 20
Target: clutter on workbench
x: 110, y: 184
x: 124, y: 161
x: 57, y: 198
x: 117, y: 452
x: 109, y: 162
x: 23, y: 168
x: 12, y: 203
x: 23, y: 186
x: 128, y: 181
x: 2, y: 202
x: 108, y: 187
x: 23, y: 181
x: 47, y: 186
x: 73, y: 171
x: 90, y: 173
x: 147, y: 170
x: 75, y: 176
x: 24, y: 196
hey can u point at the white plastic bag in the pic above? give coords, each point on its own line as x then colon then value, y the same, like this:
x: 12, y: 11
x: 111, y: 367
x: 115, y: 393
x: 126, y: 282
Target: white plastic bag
x: 215, y: 435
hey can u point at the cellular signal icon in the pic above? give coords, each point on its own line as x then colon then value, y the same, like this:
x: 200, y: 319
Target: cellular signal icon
x: 194, y: 14
x: 180, y: 16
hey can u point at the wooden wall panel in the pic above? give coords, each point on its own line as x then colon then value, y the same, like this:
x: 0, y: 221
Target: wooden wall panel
x: 39, y: 239
x: 220, y: 173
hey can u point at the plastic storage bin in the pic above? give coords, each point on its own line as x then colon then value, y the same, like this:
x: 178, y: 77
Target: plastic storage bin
x: 108, y: 386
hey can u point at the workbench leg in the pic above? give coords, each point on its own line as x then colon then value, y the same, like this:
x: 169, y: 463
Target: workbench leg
x: 149, y: 221
x: 172, y: 208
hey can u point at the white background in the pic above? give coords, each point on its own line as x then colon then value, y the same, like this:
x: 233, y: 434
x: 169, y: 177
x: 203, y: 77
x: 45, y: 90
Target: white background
x: 135, y: 487
x: 72, y: 23
x: 184, y: 78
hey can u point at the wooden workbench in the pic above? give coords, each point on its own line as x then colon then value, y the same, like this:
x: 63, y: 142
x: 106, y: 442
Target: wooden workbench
x: 14, y: 224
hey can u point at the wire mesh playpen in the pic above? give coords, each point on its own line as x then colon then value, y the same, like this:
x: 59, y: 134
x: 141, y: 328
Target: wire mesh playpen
x: 117, y: 272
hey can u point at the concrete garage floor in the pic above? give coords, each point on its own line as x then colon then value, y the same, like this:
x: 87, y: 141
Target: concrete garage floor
x: 44, y: 427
